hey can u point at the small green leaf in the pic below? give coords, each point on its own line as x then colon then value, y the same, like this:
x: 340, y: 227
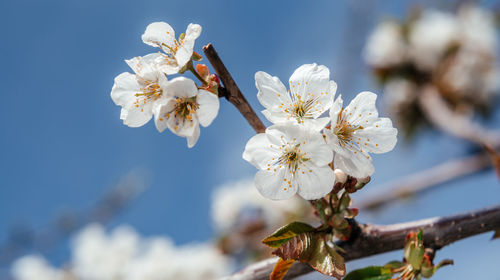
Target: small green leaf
x: 370, y: 273
x: 394, y: 265
x: 284, y: 234
x: 344, y: 202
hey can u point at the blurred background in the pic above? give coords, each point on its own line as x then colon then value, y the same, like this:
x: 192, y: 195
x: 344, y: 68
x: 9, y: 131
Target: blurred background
x: 67, y: 160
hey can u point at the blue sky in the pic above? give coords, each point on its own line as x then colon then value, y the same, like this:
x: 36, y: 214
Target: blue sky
x: 62, y: 143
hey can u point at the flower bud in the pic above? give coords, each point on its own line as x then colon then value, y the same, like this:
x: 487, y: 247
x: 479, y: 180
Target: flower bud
x: 340, y: 176
x: 202, y: 69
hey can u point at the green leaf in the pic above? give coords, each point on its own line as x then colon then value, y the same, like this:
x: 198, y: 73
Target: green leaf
x: 326, y: 260
x: 312, y: 248
x: 284, y: 234
x: 344, y: 202
x: 394, y: 265
x: 280, y: 269
x: 370, y: 273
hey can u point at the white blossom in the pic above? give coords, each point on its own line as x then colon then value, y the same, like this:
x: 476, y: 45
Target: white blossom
x: 33, y: 267
x: 186, y: 109
x: 386, y: 46
x: 291, y: 159
x: 235, y: 203
x: 357, y: 130
x: 176, y: 53
x: 139, y: 93
x: 311, y: 94
x: 431, y: 36
x: 124, y: 255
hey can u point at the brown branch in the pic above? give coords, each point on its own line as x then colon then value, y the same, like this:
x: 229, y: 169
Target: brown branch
x: 443, y: 117
x: 424, y: 180
x: 231, y: 90
x: 371, y: 240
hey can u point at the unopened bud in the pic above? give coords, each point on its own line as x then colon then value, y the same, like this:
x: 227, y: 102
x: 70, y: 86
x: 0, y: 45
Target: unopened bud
x: 203, y: 70
x: 340, y: 176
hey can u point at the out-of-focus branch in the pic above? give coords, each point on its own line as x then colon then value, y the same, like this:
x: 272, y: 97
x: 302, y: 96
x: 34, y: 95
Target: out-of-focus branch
x: 113, y: 202
x: 368, y: 240
x: 444, y: 118
x: 424, y: 180
x: 231, y: 90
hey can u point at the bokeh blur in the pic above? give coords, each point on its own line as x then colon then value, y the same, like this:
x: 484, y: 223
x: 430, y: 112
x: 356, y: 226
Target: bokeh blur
x: 85, y: 196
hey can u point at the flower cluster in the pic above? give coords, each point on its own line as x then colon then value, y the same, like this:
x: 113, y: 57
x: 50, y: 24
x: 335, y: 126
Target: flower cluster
x: 453, y: 52
x: 124, y: 255
x: 178, y: 104
x: 295, y: 154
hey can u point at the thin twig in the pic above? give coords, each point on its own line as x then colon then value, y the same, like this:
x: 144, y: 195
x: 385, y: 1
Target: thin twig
x: 423, y: 180
x: 231, y: 90
x: 443, y: 117
x: 371, y: 240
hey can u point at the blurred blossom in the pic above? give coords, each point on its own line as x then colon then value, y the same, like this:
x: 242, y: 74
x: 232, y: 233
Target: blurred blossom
x: 237, y: 203
x: 454, y: 52
x: 124, y: 254
x: 386, y: 45
x: 35, y: 268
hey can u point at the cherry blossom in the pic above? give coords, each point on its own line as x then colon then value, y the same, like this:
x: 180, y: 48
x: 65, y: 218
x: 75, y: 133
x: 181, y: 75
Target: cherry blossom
x: 356, y: 131
x: 176, y: 52
x: 311, y: 94
x: 139, y: 93
x: 291, y: 159
x: 186, y: 108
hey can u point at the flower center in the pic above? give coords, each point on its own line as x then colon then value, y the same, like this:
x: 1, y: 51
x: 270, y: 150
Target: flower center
x: 344, y: 129
x: 300, y: 109
x: 185, y: 108
x: 151, y: 91
x: 291, y: 158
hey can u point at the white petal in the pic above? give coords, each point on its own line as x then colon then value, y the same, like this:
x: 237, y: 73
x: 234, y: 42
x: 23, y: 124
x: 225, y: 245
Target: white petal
x: 335, y: 109
x: 316, y: 124
x: 362, y: 110
x: 259, y: 151
x: 182, y: 127
x: 276, y: 115
x: 209, y: 107
x: 191, y: 141
x: 138, y: 112
x: 182, y: 87
x: 316, y: 149
x: 333, y: 142
x: 310, y: 80
x: 185, y: 51
x: 358, y: 164
x: 158, y: 33
x: 380, y: 137
x: 161, y: 110
x: 146, y: 66
x: 124, y: 89
x: 315, y: 182
x: 272, y: 92
x: 271, y: 185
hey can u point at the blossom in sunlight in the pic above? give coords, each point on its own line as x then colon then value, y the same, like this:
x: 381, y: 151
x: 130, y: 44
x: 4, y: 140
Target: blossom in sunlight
x: 311, y: 94
x: 291, y: 159
x: 247, y: 205
x: 139, y: 93
x: 176, y: 52
x: 386, y: 46
x: 186, y: 109
x: 357, y: 130
x: 124, y: 255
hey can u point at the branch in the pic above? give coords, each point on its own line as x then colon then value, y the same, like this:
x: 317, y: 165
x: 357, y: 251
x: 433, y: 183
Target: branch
x: 368, y: 240
x: 443, y: 117
x: 231, y: 90
x: 424, y: 180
